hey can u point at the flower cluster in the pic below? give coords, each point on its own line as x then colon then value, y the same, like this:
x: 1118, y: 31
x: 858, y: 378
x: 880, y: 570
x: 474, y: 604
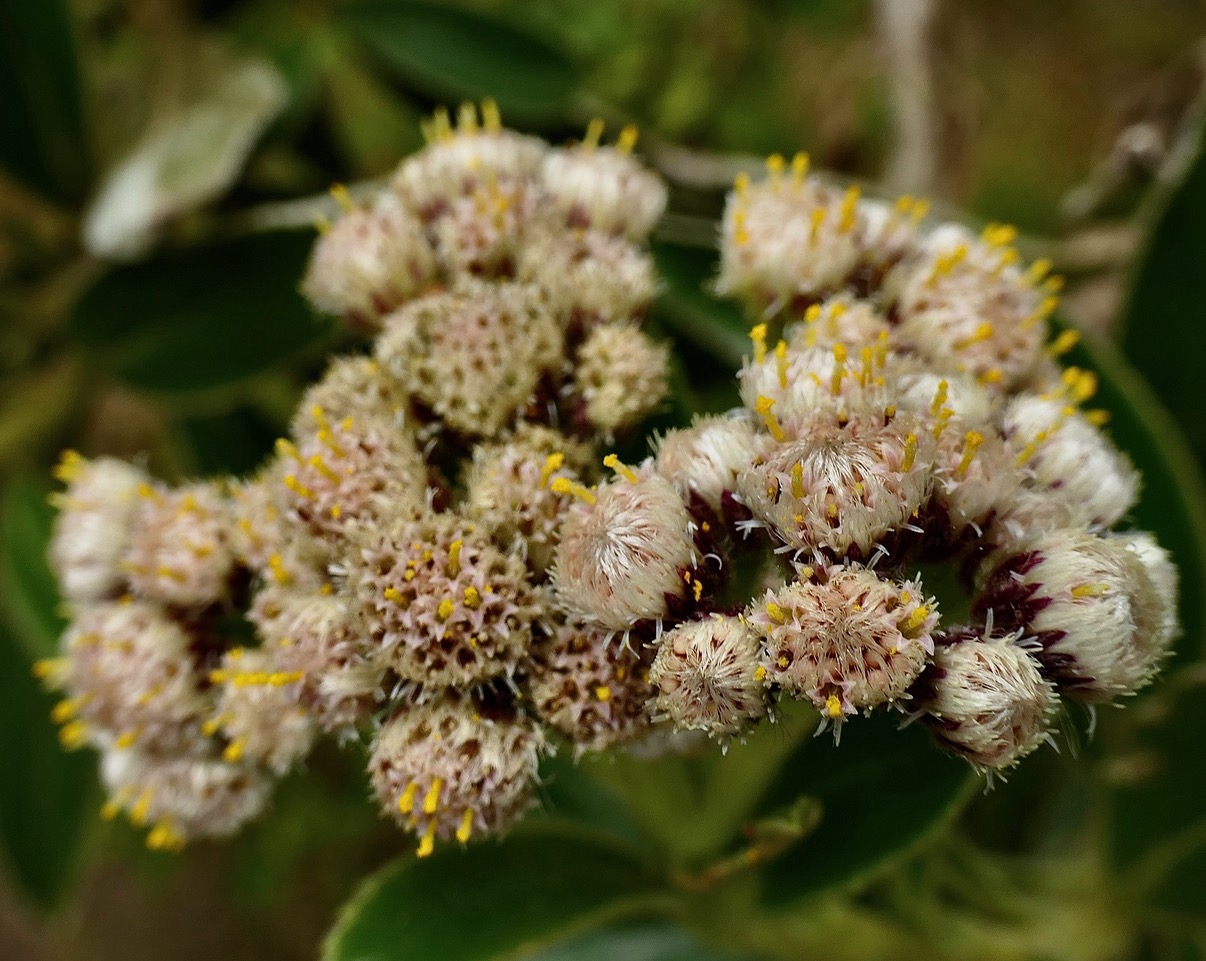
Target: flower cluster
x: 392, y: 558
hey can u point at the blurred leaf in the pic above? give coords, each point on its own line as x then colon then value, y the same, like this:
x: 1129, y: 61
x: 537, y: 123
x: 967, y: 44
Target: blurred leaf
x: 30, y: 598
x: 637, y: 942
x: 1173, y: 501
x: 569, y: 792
x: 41, y: 137
x: 201, y: 317
x: 493, y: 900
x: 233, y: 442
x: 371, y: 123
x: 882, y: 791
x: 1163, y: 334
x: 44, y: 791
x: 715, y: 326
x: 462, y: 55
x: 187, y: 161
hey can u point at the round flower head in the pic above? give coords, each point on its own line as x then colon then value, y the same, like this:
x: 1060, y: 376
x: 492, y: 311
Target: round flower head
x: 706, y: 458
x: 590, y: 277
x: 351, y: 473
x: 788, y: 238
x: 709, y: 677
x: 1071, y: 460
x: 91, y: 532
x: 180, y: 551
x: 845, y: 483
x: 352, y: 386
x: 370, y: 261
x: 621, y: 376
x: 590, y: 687
x: 847, y: 644
x: 964, y: 305
x: 889, y: 234
x: 481, y: 232
x: 258, y: 710
x: 839, y: 320
x: 604, y: 188
x: 626, y: 550
x: 1102, y: 609
x: 509, y: 492
x: 456, y: 162
x: 319, y: 637
x: 474, y: 355
x: 984, y: 699
x: 974, y: 478
x: 444, y: 770
x: 445, y: 606
x: 940, y: 396
x: 182, y: 797
x: 130, y: 680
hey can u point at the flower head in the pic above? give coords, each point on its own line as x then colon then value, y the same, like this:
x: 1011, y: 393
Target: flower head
x: 621, y: 377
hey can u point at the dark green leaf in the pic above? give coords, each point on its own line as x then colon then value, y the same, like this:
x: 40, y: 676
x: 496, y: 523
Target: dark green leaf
x: 44, y: 792
x: 30, y: 598
x: 202, y: 317
x: 569, y: 792
x: 457, y: 54
x: 636, y: 942
x: 233, y: 442
x: 1163, y: 333
x: 494, y: 900
x: 882, y: 790
x: 41, y: 137
x: 715, y: 326
x: 1173, y: 502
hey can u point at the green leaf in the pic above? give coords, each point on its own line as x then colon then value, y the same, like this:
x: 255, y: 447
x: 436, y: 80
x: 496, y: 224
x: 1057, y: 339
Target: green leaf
x: 493, y: 900
x: 41, y: 137
x: 233, y: 442
x: 456, y: 54
x: 715, y: 326
x: 186, y: 160
x: 202, y: 317
x: 882, y: 791
x: 1173, y: 502
x: 1163, y: 334
x: 30, y: 597
x: 44, y: 792
x: 637, y: 942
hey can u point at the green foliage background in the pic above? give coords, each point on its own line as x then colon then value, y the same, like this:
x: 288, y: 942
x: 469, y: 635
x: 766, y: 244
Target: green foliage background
x: 171, y: 329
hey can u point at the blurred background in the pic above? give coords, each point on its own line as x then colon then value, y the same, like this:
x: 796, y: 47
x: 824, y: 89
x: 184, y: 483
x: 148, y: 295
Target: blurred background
x: 162, y: 163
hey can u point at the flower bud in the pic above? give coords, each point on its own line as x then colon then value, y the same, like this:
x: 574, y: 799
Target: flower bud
x: 706, y: 458
x: 603, y: 188
x: 621, y: 377
x: 481, y: 233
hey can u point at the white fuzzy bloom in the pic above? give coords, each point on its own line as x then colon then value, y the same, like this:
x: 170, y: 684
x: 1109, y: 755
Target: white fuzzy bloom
x: 706, y: 457
x: 1103, y: 609
x: 623, y: 551
x: 92, y: 530
x: 985, y: 700
x: 603, y: 188
x: 840, y: 319
x: 708, y: 676
x: 1071, y: 460
x: 620, y: 376
x: 931, y: 394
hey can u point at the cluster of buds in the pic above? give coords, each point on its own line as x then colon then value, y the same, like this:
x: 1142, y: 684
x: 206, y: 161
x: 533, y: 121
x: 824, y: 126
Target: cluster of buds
x: 392, y: 559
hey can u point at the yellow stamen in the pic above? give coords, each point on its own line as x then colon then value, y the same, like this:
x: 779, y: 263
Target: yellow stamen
x: 234, y: 750
x: 833, y: 706
x: 407, y: 800
x: 839, y: 368
x: 432, y: 802
x: 552, y: 464
x: 141, y: 808
x: 627, y: 139
x: 799, y: 168
x: 467, y: 118
x: 613, y: 462
x: 817, y: 217
x: 393, y: 595
x: 73, y: 735
x: 603, y: 693
x: 760, y: 673
x: 65, y: 710
x: 911, y: 626
x: 910, y: 452
x: 1036, y: 272
x: 491, y: 118
x: 472, y: 598
x: 763, y: 407
x: 1090, y: 590
x: 774, y: 167
x: 427, y: 842
x: 466, y: 827
x: 741, y: 236
x: 444, y: 611
x: 776, y: 613
x: 741, y: 184
x: 848, y: 210
x: 285, y: 448
x: 454, y: 557
x: 71, y: 464
x: 276, y: 564
x: 300, y: 489
x: 128, y: 739
x: 1063, y: 343
x: 758, y: 336
x: 781, y: 362
x: 343, y: 198
x: 563, y: 485
x: 594, y: 133
x: 971, y: 443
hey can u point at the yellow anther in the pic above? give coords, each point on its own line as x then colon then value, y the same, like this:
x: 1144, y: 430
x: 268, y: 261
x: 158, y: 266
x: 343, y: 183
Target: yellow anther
x: 799, y: 168
x: 393, y: 595
x: 110, y: 809
x: 849, y: 210
x: 343, y: 198
x: 613, y: 462
x: 211, y: 726
x: 760, y: 673
x: 904, y: 203
x: 839, y: 368
x: 627, y: 139
x: 910, y: 451
x: 472, y: 598
x: 1084, y: 387
x: 431, y: 802
x: 817, y: 219
x: 994, y: 375
x: 234, y: 750
x: 164, y: 837
x: 1009, y: 257
x: 552, y: 464
x: 999, y: 235
x: 141, y: 809
x: 1044, y: 310
x: 831, y: 509
x: 741, y: 184
x: 300, y: 489
x: 467, y: 118
x: 971, y: 443
x: 741, y: 236
x: 444, y: 611
x: 147, y: 492
x: 491, y: 118
x: 563, y: 485
x: 940, y: 397
x: 70, y: 464
x: 128, y: 739
x: 911, y: 626
x: 454, y: 557
x: 321, y: 466
x: 594, y: 133
x: 697, y: 589
x: 441, y: 123
x: 945, y: 263
x: 833, y: 706
x: 782, y: 662
x: 276, y: 564
x: 763, y: 407
x: 781, y: 363
x: 407, y: 800
x: 797, y: 480
x: 73, y: 735
x: 758, y: 336
x: 1037, y: 271
x: 65, y: 710
x: 1063, y: 343
x: 603, y: 693
x: 774, y: 166
x: 1098, y: 417
x: 427, y: 842
x: 466, y: 826
x: 1053, y: 285
x: 776, y: 613
x: 1090, y: 590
